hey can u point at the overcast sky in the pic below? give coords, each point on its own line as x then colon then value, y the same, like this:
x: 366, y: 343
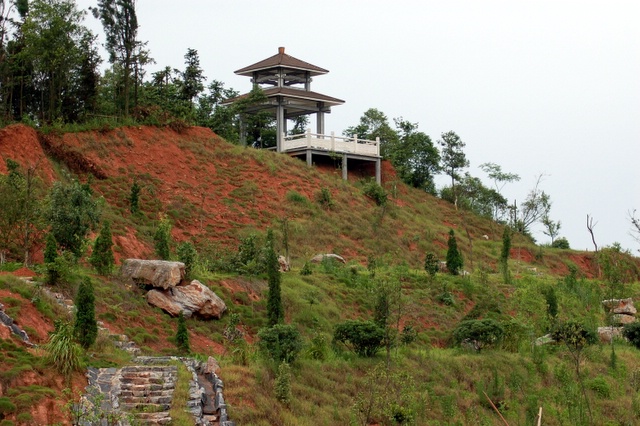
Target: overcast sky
x: 538, y: 87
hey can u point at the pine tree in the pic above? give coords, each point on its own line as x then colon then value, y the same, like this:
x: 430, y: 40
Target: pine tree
x: 504, y: 255
x: 85, y: 327
x: 182, y: 336
x: 275, y: 311
x: 454, y: 258
x: 102, y: 256
x: 50, y: 254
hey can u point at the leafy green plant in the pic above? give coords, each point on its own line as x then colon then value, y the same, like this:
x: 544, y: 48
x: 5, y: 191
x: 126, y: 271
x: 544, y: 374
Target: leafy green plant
x: 431, y: 265
x: 376, y: 192
x: 134, y: 198
x: 162, y: 239
x: 632, y: 333
x: 282, y: 384
x: 102, y: 256
x: 188, y: 255
x: 182, y: 336
x: 454, y: 258
x: 479, y: 333
x: 62, y: 351
x: 365, y: 337
x: 281, y: 342
x: 323, y: 197
x: 306, y: 269
x: 275, y: 310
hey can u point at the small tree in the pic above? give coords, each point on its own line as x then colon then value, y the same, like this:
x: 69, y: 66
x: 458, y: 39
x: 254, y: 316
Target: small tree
x: 134, y: 198
x: 188, y: 255
x: 102, y: 256
x: 504, y: 254
x: 431, y: 265
x: 162, y: 239
x: 281, y: 343
x: 182, y: 336
x: 632, y: 333
x: 282, y: 385
x: 50, y: 254
x: 275, y: 310
x: 62, y: 351
x: 481, y: 333
x: 85, y: 327
x: 454, y: 258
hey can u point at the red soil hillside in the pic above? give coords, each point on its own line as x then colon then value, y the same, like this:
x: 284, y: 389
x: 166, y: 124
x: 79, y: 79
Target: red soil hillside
x: 215, y: 192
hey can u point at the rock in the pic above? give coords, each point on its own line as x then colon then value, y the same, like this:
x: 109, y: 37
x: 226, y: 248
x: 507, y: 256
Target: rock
x: 157, y: 273
x: 284, y: 265
x: 608, y: 333
x: 622, y: 319
x: 620, y: 306
x: 544, y: 340
x: 318, y: 258
x: 212, y: 366
x: 195, y: 298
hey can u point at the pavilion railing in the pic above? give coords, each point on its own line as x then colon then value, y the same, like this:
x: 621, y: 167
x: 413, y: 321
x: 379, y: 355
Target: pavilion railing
x: 334, y: 143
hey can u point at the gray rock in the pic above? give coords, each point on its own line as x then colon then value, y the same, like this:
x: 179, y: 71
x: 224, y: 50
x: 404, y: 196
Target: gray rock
x: 318, y: 258
x: 195, y: 298
x: 157, y: 273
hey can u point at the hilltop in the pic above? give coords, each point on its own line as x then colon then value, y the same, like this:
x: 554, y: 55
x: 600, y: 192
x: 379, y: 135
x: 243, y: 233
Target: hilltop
x: 217, y: 195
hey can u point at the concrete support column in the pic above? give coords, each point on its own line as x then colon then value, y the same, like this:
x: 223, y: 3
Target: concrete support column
x: 344, y: 167
x: 309, y: 159
x: 279, y: 125
x: 320, y: 123
x: 379, y: 171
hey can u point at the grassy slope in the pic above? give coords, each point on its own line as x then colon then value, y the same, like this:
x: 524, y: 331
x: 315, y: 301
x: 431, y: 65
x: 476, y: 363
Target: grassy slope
x: 216, y: 192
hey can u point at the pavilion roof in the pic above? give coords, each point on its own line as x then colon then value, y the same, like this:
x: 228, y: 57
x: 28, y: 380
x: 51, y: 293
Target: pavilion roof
x: 281, y: 59
x: 290, y: 92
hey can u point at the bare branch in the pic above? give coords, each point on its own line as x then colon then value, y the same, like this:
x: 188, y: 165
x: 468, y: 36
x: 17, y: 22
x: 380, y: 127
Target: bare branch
x: 590, y: 226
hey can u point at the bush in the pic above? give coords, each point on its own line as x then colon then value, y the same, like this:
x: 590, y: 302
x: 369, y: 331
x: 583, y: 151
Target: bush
x: 323, y: 197
x: 306, y: 269
x: 431, y: 264
x: 62, y: 351
x: 162, y: 239
x: 182, y: 336
x: 282, y: 385
x: 85, y: 327
x: 364, y: 336
x: 188, y: 255
x: 282, y: 342
x: 454, y: 258
x: 480, y: 333
x: 102, y: 256
x: 600, y: 386
x: 561, y: 243
x: 376, y: 192
x: 632, y: 333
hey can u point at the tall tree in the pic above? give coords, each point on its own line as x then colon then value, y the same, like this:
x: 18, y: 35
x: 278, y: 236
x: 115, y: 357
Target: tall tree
x: 120, y: 24
x: 373, y: 124
x: 536, y: 206
x: 192, y: 77
x: 453, y: 158
x: 85, y: 326
x: 500, y: 179
x: 413, y: 155
x: 55, y: 48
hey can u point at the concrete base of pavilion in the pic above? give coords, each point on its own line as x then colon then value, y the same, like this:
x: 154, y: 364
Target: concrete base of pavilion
x: 360, y: 165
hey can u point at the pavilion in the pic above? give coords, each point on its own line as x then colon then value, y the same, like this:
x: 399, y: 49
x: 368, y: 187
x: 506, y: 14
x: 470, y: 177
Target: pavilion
x: 286, y: 83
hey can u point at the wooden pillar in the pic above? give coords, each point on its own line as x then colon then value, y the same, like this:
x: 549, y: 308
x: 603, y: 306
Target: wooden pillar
x: 344, y: 167
x: 279, y: 125
x: 378, y: 171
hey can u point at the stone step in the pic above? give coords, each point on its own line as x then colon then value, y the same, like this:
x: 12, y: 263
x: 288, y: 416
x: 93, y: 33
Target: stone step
x: 142, y: 408
x: 145, y: 400
x: 146, y: 392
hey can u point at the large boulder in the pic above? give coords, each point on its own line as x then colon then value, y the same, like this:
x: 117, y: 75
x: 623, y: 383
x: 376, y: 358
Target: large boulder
x: 620, y: 306
x: 318, y: 258
x: 622, y: 319
x: 157, y: 273
x: 606, y: 334
x: 284, y: 265
x: 195, y: 298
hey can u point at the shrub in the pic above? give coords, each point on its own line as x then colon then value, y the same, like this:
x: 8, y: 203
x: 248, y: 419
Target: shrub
x: 182, y: 336
x: 296, y: 197
x: 323, y: 197
x: 50, y: 254
x: 282, y: 342
x: 282, y: 385
x: 364, y: 336
x: 600, y: 386
x: 632, y: 333
x: 102, y: 256
x: 408, y: 335
x: 275, y: 310
x: 162, y: 239
x: 188, y: 255
x: 62, y: 351
x: 561, y: 243
x: 431, y: 264
x: 480, y: 333
x: 134, y: 198
x: 306, y: 269
x: 6, y: 406
x: 376, y: 192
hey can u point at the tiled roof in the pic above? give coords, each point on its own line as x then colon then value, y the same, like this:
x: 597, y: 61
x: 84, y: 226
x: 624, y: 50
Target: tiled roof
x: 281, y: 59
x: 289, y: 92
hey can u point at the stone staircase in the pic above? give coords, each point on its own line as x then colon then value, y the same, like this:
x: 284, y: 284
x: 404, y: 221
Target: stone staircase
x: 141, y: 394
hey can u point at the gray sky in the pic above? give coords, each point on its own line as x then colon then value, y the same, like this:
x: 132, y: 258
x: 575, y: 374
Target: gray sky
x: 538, y: 87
